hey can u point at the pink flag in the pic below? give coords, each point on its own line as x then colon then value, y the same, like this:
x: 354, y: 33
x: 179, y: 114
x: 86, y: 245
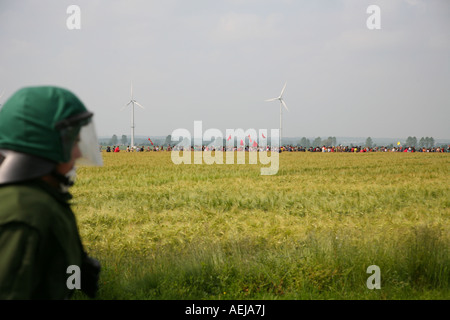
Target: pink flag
x: 255, y: 144
x: 242, y: 142
x: 263, y: 135
x: 229, y: 138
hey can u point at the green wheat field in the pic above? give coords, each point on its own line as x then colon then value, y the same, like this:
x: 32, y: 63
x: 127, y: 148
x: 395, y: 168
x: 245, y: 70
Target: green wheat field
x: 173, y: 232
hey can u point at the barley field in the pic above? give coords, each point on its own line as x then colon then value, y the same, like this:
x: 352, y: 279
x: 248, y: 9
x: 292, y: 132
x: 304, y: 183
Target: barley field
x: 163, y: 231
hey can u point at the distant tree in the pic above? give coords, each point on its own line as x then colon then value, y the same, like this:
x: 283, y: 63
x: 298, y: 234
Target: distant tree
x: 330, y: 141
x: 305, y: 142
x: 369, y: 142
x: 421, y: 142
x: 428, y: 142
x: 411, y: 142
x: 124, y: 140
x: 408, y: 141
x: 317, y: 142
x: 113, y: 140
x: 168, y: 140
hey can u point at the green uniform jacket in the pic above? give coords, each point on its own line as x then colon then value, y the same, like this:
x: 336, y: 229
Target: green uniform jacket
x: 39, y: 239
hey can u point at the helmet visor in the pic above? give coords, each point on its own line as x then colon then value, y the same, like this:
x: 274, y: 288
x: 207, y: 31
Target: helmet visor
x: 89, y: 147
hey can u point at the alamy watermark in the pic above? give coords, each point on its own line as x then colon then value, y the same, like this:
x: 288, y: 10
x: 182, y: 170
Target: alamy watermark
x: 374, y: 281
x: 73, y: 22
x: 373, y: 22
x: 257, y: 147
x: 74, y: 280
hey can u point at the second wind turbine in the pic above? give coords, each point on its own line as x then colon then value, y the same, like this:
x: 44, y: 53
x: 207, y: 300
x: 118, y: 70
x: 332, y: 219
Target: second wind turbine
x: 282, y: 104
x: 133, y: 102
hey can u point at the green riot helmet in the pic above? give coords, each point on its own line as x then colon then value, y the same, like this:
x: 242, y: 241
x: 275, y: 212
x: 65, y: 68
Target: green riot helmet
x: 38, y: 129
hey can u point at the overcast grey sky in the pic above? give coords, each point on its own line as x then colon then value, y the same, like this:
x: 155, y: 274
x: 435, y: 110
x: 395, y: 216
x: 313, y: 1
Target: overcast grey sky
x: 217, y: 61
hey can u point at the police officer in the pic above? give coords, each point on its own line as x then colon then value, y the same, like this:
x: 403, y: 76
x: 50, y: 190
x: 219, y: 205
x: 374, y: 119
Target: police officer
x: 43, y: 131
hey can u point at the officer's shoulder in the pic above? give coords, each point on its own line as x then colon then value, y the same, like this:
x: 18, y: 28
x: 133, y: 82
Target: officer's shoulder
x: 27, y: 203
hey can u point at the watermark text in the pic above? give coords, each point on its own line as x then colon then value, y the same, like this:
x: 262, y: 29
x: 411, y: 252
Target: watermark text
x: 249, y: 140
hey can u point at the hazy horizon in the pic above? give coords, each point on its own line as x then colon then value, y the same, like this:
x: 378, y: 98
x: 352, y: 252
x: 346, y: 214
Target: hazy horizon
x: 288, y: 140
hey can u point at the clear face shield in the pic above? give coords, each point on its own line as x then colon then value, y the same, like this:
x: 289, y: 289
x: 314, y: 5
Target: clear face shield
x: 89, y: 147
x: 81, y: 128
x: 80, y: 131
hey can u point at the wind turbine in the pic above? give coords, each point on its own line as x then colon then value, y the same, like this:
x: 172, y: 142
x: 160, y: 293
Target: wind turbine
x: 133, y: 102
x: 282, y: 104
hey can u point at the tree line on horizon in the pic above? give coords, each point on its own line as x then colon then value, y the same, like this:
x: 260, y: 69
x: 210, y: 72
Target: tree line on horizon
x: 424, y: 142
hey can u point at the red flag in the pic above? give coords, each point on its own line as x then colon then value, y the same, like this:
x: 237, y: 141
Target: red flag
x: 150, y: 141
x: 242, y: 142
x: 263, y: 135
x: 255, y: 144
x: 249, y: 138
x: 229, y: 138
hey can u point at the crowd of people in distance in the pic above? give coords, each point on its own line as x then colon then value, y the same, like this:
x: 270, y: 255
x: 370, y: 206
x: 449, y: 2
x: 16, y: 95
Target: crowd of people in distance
x: 377, y: 149
x: 286, y: 148
x: 108, y: 149
x: 135, y: 149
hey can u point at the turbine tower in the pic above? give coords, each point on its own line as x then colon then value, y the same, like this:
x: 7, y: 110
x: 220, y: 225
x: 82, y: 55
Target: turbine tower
x: 1, y: 95
x: 133, y: 102
x: 282, y: 104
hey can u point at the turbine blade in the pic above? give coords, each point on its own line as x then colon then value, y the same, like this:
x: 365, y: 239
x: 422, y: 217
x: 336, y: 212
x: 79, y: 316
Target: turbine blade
x: 139, y: 105
x: 272, y: 99
x: 125, y: 106
x: 283, y: 89
x: 284, y: 104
